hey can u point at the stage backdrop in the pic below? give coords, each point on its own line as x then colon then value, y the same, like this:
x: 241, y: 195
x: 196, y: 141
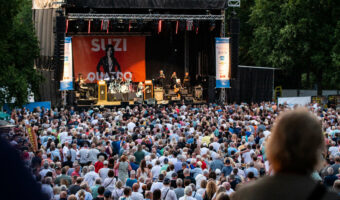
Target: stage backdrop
x: 129, y: 53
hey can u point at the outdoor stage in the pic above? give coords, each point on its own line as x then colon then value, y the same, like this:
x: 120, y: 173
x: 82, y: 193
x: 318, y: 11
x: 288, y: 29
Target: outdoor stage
x: 147, y: 36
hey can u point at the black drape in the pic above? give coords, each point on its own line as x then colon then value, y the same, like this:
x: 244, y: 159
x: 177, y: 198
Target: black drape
x: 251, y: 85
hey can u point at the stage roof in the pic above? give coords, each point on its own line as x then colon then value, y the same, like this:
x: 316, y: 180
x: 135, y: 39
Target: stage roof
x: 150, y: 4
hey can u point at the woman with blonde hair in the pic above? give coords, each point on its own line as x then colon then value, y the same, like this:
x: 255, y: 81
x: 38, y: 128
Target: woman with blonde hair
x: 123, y: 167
x: 220, y: 190
x: 210, y: 190
x: 118, y: 191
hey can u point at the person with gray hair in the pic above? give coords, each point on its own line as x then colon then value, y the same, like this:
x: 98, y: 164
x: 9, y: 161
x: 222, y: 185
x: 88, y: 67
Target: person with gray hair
x: 91, y: 176
x: 187, y: 194
x: 46, y: 187
x: 179, y: 189
x: 330, y: 178
x: 103, y: 171
x: 199, y: 178
x: 46, y: 169
x: 228, y: 188
x: 294, y: 150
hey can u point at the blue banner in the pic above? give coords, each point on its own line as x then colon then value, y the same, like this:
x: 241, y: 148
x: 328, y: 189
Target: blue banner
x: 30, y: 106
x: 66, y: 85
x: 67, y: 82
x: 222, y: 63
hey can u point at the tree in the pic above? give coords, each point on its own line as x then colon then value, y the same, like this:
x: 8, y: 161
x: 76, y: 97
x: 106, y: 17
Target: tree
x: 298, y: 36
x: 18, y: 50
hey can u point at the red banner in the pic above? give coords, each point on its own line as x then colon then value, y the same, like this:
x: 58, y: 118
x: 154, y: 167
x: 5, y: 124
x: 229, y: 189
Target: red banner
x: 93, y: 58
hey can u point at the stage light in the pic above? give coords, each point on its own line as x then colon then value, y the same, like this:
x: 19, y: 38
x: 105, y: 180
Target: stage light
x: 79, y: 25
x: 189, y: 25
x: 159, y: 26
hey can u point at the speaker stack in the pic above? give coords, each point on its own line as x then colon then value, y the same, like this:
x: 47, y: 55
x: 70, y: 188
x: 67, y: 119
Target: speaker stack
x: 234, y: 46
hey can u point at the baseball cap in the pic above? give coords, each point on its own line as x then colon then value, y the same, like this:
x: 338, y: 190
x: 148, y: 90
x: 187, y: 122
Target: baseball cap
x: 166, y: 181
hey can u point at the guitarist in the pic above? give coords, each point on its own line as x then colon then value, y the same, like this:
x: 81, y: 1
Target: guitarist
x: 173, y: 80
x: 140, y: 90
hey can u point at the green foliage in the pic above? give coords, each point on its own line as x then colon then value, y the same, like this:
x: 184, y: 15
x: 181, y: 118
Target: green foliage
x: 298, y: 36
x: 18, y: 49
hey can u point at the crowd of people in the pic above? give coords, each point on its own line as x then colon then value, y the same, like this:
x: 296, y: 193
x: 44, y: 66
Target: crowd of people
x: 182, y: 152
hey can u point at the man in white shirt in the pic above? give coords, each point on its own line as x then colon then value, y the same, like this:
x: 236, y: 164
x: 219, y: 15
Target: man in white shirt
x: 247, y: 155
x: 167, y: 192
x: 156, y: 170
x: 215, y: 144
x: 93, y: 153
x: 158, y: 184
x: 66, y: 151
x: 187, y: 194
x: 131, y: 125
x: 135, y: 195
x: 91, y: 176
x: 63, y: 136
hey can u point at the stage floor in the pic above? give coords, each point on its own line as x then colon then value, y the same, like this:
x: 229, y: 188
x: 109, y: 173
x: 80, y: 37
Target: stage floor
x: 108, y: 103
x: 120, y: 103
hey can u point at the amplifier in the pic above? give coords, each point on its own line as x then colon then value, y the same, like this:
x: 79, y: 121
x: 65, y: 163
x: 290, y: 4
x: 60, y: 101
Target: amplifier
x: 148, y: 91
x: 114, y: 97
x: 159, y: 95
x: 167, y: 97
x: 184, y: 91
x: 176, y: 98
x: 198, y: 92
x: 171, y: 92
x: 150, y: 101
x: 102, y: 88
x: 187, y: 98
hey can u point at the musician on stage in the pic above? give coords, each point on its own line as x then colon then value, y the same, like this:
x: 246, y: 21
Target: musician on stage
x: 82, y: 86
x: 186, y: 81
x: 161, y: 78
x: 81, y: 82
x: 173, y: 80
x: 140, y: 90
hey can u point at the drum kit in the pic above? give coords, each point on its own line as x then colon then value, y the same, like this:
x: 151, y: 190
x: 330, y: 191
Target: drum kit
x: 120, y: 86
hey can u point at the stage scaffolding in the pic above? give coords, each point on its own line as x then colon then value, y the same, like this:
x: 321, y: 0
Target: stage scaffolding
x: 90, y: 16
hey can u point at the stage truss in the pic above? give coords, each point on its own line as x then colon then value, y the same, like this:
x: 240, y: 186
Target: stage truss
x: 90, y: 16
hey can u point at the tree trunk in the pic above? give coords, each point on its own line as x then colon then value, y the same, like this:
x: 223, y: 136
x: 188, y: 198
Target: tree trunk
x: 298, y: 79
x: 319, y: 82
